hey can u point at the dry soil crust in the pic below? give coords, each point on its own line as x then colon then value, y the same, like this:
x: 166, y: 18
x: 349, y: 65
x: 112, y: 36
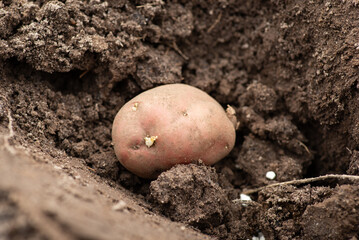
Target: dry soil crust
x: 290, y: 68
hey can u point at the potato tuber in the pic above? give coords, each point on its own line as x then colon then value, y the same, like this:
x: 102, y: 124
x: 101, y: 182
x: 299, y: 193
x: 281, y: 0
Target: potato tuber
x: 168, y: 125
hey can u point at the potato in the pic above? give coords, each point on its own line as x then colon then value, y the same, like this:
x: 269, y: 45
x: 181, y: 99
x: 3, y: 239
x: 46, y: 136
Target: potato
x: 168, y: 125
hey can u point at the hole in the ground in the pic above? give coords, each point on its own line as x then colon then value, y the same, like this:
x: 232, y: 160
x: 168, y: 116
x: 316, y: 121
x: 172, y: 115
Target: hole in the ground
x: 73, y: 82
x: 127, y: 87
x: 316, y: 142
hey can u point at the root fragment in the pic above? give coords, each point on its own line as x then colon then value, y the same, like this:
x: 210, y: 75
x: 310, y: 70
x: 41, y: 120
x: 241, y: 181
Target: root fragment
x: 337, y: 177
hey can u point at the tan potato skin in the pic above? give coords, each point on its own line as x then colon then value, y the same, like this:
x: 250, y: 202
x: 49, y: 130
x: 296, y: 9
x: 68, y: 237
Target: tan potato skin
x: 190, y: 125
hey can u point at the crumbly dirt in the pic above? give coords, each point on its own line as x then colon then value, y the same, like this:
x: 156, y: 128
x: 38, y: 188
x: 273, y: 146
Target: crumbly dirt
x: 289, y: 68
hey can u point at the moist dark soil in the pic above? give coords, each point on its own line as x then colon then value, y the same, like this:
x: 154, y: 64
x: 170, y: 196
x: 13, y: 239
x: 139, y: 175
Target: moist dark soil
x: 289, y: 68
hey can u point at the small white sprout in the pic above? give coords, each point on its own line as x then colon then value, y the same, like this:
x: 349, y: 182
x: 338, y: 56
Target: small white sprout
x: 135, y: 107
x: 230, y: 110
x: 270, y: 175
x: 149, y: 141
x: 231, y: 114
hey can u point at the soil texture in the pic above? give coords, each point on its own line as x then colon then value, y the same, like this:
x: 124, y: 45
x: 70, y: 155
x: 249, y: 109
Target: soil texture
x: 289, y: 68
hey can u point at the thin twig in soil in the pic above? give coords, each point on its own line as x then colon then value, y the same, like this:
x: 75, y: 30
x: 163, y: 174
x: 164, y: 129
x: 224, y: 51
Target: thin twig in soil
x: 304, y: 146
x: 84, y: 73
x: 7, y: 137
x: 209, y: 30
x: 306, y: 180
x: 176, y: 48
x: 149, y: 5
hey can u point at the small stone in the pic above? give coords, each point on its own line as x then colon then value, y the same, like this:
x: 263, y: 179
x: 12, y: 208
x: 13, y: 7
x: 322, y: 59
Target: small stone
x: 57, y: 167
x: 270, y: 175
x: 119, y: 206
x: 245, y: 197
x: 259, y: 237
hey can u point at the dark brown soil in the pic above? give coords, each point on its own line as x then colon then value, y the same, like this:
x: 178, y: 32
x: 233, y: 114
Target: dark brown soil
x: 289, y: 68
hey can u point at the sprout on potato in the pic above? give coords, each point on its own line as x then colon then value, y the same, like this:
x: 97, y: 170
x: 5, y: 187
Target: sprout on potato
x: 171, y: 124
x: 149, y: 141
x: 135, y: 107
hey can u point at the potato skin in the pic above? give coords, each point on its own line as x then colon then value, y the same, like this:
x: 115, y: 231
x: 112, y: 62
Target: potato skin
x: 189, y: 125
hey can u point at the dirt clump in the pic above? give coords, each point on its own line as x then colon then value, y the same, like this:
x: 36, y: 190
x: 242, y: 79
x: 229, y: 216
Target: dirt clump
x: 290, y: 69
x: 15, y: 224
x: 192, y: 194
x: 284, y: 209
x: 309, y: 212
x: 320, y: 220
x: 206, y: 206
x: 257, y: 157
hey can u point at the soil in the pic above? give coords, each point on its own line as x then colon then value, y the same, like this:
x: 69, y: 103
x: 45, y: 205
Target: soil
x: 289, y: 68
